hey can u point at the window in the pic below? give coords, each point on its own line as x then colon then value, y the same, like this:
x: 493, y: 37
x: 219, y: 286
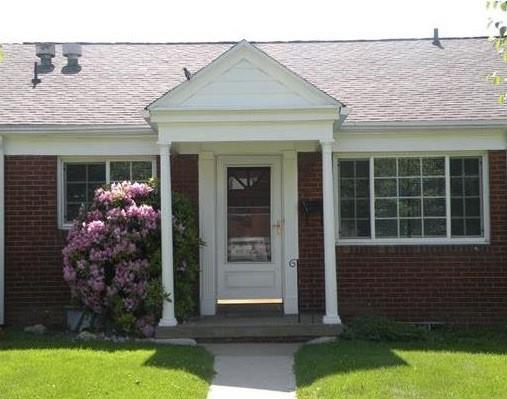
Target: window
x: 466, y: 197
x: 410, y: 198
x: 80, y: 179
x: 355, y: 198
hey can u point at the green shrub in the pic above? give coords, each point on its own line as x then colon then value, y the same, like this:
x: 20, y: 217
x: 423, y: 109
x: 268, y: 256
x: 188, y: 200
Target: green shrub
x: 379, y: 328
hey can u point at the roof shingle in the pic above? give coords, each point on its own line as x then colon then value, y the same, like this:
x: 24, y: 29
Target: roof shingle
x: 380, y: 81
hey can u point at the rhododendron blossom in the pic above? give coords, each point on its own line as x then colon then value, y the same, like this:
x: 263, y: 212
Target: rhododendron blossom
x: 110, y: 260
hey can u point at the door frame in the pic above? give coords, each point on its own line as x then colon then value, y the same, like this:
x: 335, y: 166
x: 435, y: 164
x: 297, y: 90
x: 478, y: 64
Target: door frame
x: 208, y: 168
x: 276, y: 216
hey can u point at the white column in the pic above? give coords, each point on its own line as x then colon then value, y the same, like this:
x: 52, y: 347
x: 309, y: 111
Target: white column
x: 2, y: 231
x: 168, y: 319
x: 331, y: 316
x: 207, y: 226
x: 290, y: 231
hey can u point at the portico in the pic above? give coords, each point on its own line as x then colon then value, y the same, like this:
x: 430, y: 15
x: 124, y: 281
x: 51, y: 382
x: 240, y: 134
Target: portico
x: 247, y: 117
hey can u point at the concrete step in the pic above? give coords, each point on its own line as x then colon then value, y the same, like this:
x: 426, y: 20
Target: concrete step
x: 223, y: 327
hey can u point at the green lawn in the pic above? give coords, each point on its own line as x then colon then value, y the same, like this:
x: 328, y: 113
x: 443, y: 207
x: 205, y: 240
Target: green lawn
x: 443, y: 367
x: 57, y: 367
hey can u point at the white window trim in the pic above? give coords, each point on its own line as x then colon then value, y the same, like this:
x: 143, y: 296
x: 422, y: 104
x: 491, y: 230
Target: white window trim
x: 62, y: 224
x: 416, y: 240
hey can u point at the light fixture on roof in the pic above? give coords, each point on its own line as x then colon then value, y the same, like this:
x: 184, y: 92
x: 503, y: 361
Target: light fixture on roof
x: 46, y: 52
x: 72, y: 51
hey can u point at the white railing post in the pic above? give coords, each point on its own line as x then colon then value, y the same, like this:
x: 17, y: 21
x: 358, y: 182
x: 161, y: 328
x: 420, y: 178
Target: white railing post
x: 168, y: 318
x: 331, y: 316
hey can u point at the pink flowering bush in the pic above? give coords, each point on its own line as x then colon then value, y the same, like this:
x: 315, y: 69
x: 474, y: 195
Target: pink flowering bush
x: 112, y: 258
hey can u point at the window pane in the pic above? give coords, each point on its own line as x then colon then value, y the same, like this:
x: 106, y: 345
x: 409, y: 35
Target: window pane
x: 363, y: 228
x: 81, y: 181
x: 456, y: 167
x: 141, y: 171
x: 363, y: 168
x: 72, y: 211
x: 385, y: 187
x: 410, y: 228
x: 76, y: 172
x: 363, y: 188
x: 348, y: 228
x: 76, y: 192
x: 386, y: 228
x: 434, y: 207
x: 347, y: 188
x: 354, y: 198
x: 409, y: 166
x: 249, y: 214
x: 473, y: 207
x: 421, y: 189
x: 466, y: 197
x: 433, y: 186
x: 434, y: 167
x: 386, y: 208
x: 457, y: 227
x: 363, y: 208
x: 385, y: 167
x: 347, y: 208
x: 346, y: 168
x: 472, y: 167
x: 410, y: 208
x: 473, y: 227
x: 410, y: 187
x: 97, y: 172
x: 120, y: 171
x: 434, y: 227
x: 472, y: 186
x: 456, y: 186
x: 457, y: 207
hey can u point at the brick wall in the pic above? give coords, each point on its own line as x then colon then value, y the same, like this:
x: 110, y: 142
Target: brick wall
x: 185, y: 176
x: 461, y: 284
x: 311, y: 235
x: 34, y: 288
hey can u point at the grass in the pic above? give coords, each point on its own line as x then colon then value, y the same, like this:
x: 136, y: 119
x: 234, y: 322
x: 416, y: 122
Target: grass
x: 446, y: 366
x: 58, y: 367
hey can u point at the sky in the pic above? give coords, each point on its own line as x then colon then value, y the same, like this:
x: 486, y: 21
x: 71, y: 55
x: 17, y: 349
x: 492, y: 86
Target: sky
x: 227, y: 20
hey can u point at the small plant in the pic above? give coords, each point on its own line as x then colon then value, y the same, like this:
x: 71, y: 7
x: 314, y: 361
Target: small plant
x: 379, y: 328
x: 112, y: 260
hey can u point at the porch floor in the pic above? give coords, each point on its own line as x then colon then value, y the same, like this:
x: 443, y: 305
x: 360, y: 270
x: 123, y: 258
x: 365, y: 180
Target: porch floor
x: 229, y: 326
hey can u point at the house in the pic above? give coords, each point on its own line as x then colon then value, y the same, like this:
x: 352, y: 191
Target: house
x: 347, y: 177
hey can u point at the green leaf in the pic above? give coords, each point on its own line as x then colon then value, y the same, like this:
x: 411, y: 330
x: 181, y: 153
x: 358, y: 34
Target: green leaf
x: 501, y: 99
x: 1, y: 53
x: 503, y: 6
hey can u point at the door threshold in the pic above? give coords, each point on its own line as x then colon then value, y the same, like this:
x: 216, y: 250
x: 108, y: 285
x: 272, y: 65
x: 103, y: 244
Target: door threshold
x: 267, y: 301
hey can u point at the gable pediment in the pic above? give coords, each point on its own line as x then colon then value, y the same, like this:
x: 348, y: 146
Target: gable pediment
x: 244, y: 77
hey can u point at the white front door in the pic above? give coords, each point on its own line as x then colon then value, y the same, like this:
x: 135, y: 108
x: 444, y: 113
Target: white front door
x: 249, y: 228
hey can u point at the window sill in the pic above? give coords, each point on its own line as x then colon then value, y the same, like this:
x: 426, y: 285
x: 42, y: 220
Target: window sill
x: 415, y: 242
x: 65, y: 227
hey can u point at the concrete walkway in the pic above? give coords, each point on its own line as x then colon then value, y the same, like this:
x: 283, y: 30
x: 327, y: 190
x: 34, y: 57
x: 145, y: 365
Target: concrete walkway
x: 253, y: 371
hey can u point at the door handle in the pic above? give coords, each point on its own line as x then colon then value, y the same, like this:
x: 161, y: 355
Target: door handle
x: 278, y: 226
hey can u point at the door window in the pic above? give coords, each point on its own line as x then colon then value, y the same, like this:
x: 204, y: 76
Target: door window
x: 248, y: 214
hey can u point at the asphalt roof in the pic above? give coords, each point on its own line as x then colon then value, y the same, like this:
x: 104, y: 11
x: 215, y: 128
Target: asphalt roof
x: 380, y: 81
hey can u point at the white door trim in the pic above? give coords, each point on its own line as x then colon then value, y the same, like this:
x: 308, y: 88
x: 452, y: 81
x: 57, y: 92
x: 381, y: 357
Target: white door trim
x: 208, y: 166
